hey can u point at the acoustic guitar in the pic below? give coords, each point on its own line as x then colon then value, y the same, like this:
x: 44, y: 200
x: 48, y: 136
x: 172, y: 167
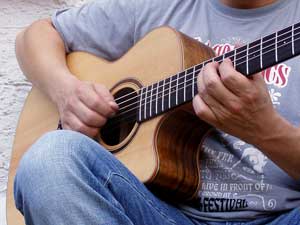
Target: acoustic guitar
x: 155, y: 133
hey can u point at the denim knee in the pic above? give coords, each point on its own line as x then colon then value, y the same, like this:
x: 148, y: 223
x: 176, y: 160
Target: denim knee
x: 50, y: 162
x: 58, y: 145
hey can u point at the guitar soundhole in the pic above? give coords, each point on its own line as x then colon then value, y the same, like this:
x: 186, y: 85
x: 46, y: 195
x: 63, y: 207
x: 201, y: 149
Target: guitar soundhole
x: 120, y: 126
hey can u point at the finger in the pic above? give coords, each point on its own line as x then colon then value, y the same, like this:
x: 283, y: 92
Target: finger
x: 214, y: 87
x: 203, y: 111
x: 258, y: 79
x: 88, y: 116
x: 106, y: 95
x: 73, y: 123
x: 220, y: 112
x: 203, y: 93
x: 95, y: 101
x: 236, y: 82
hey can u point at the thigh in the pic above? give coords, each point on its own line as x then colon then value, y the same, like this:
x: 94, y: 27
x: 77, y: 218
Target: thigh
x: 289, y: 218
x: 135, y: 199
x: 80, y: 182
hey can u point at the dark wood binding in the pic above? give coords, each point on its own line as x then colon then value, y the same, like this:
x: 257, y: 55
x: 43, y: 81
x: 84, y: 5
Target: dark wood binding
x: 194, y: 52
x: 178, y: 142
x: 179, y: 137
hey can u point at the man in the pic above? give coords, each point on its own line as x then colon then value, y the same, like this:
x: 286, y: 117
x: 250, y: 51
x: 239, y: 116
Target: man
x: 250, y: 167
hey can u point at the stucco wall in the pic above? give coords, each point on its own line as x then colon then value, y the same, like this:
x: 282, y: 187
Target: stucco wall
x: 15, y: 15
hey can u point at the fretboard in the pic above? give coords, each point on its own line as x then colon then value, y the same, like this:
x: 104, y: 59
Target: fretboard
x: 248, y: 60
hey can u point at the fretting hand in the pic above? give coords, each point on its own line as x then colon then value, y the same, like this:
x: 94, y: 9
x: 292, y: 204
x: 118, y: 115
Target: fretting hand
x: 236, y: 104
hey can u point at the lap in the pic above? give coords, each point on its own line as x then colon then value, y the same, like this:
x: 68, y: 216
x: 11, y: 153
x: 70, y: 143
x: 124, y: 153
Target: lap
x: 93, y: 178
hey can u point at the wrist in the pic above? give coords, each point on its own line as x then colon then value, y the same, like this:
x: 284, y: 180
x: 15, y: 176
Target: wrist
x: 280, y: 143
x: 62, y: 87
x: 275, y: 131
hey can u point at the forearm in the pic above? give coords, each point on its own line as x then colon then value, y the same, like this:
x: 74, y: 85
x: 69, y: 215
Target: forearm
x: 41, y: 55
x: 281, y: 143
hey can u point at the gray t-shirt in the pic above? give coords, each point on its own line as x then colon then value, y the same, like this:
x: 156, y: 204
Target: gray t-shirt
x: 238, y: 180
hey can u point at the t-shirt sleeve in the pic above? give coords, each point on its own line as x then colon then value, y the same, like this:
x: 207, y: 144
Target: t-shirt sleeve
x: 102, y: 27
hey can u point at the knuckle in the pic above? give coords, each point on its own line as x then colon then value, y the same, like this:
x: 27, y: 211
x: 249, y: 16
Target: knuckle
x: 89, y: 118
x: 228, y: 78
x: 200, y: 112
x: 101, y: 89
x: 211, y: 84
x: 79, y: 90
x: 251, y: 98
x: 235, y: 108
x: 202, y: 92
x: 80, y: 127
x: 102, y: 120
x: 94, y: 103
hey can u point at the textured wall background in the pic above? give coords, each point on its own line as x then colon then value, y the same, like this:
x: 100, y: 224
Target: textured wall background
x: 15, y: 15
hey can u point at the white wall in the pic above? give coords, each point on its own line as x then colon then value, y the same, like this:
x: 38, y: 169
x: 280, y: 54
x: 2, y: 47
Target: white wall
x: 15, y: 15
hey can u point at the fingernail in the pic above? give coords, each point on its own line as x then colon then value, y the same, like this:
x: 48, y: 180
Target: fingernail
x: 114, y: 105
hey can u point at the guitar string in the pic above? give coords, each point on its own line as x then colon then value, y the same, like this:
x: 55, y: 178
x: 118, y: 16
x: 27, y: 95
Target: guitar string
x: 241, y: 52
x: 134, y: 114
x: 192, y: 73
x: 188, y: 74
x: 149, y: 97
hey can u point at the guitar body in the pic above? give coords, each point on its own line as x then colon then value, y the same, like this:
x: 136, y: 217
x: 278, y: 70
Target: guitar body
x: 162, y: 152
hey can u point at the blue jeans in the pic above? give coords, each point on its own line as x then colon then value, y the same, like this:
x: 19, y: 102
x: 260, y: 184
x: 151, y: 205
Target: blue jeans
x: 67, y: 178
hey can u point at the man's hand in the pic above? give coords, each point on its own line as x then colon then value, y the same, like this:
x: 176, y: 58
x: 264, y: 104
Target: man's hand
x: 233, y: 103
x: 85, y: 106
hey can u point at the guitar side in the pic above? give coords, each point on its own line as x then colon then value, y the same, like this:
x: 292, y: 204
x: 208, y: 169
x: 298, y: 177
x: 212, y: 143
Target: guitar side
x: 148, y: 151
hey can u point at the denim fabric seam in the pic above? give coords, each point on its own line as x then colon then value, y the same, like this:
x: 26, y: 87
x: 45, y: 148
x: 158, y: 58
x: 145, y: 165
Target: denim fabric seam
x: 150, y: 202
x: 108, y: 178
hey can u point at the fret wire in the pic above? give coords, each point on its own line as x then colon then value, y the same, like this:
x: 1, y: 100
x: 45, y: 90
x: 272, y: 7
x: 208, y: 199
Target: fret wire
x: 141, y: 99
x: 163, y: 95
x: 170, y: 88
x: 234, y: 59
x: 151, y: 92
x: 247, y: 60
x: 252, y: 58
x: 157, y: 90
x: 193, y: 79
x: 261, y: 53
x: 293, y: 29
x: 293, y: 41
x: 177, y: 75
x: 276, y: 50
x: 184, y: 90
x: 145, y: 104
x: 239, y: 53
x: 193, y: 75
x: 243, y: 62
x: 243, y: 57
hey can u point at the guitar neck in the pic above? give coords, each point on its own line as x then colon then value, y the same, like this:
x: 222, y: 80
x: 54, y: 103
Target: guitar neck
x: 249, y: 59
